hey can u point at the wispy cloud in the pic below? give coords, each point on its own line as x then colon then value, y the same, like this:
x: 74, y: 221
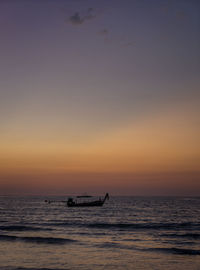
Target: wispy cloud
x: 77, y: 18
x: 80, y: 17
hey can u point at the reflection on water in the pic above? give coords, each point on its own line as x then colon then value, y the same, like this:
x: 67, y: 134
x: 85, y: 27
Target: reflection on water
x: 126, y: 233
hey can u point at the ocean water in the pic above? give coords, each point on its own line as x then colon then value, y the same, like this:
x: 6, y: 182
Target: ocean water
x: 126, y: 233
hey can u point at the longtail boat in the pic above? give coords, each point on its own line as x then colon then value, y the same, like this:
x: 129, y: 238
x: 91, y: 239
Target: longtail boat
x: 100, y: 202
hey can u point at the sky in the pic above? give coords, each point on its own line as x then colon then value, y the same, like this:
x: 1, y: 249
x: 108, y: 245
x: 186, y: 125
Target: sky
x: 100, y: 96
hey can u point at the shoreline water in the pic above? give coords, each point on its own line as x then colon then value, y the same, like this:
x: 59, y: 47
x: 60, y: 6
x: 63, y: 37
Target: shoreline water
x: 126, y: 233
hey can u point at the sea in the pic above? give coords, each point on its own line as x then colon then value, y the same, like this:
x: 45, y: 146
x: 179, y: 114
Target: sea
x: 126, y: 233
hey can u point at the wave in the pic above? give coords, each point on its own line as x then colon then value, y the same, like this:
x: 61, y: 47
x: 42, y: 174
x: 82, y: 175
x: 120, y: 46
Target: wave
x: 177, y: 251
x: 66, y: 223
x: 36, y: 239
x: 187, y: 226
x: 142, y: 226
x: 110, y: 245
x: 29, y: 268
x: 22, y: 228
x: 193, y: 236
x: 152, y: 226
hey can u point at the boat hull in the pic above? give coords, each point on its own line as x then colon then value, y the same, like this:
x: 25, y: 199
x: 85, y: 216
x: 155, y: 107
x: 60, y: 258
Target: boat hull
x: 86, y: 204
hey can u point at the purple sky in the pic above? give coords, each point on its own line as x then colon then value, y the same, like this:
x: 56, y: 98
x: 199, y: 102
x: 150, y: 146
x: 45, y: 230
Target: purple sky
x: 83, y: 76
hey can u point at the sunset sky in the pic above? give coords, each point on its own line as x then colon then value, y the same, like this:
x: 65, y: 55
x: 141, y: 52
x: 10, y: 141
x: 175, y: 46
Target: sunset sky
x: 100, y: 96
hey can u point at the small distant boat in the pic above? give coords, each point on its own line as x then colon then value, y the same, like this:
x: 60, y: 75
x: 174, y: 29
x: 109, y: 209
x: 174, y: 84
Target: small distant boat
x: 100, y: 202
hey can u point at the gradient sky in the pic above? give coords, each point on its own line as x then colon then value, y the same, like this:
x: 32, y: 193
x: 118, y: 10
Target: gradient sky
x: 100, y: 96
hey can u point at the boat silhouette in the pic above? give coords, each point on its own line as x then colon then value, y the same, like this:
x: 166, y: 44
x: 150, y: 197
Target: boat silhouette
x: 100, y: 202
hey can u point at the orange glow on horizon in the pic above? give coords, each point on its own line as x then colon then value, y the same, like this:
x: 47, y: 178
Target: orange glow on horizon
x: 165, y: 143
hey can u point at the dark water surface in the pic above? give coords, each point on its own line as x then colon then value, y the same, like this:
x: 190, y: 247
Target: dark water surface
x: 126, y: 233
